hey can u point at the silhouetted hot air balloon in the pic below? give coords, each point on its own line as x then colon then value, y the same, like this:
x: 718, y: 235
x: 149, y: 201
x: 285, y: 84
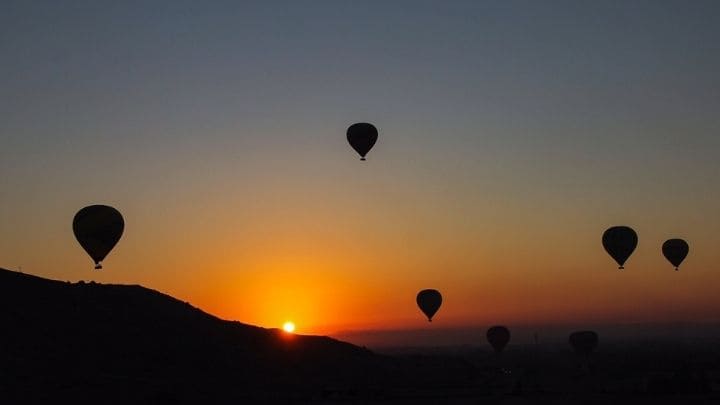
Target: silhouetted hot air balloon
x: 498, y: 336
x: 98, y: 228
x: 583, y: 342
x: 675, y: 250
x: 362, y: 136
x: 620, y: 242
x: 429, y: 302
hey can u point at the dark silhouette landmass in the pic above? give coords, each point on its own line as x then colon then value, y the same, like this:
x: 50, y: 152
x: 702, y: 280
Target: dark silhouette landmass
x: 129, y: 344
x: 77, y: 343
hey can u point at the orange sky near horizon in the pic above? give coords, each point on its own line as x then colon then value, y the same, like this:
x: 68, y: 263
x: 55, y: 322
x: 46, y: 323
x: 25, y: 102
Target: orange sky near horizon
x: 335, y: 266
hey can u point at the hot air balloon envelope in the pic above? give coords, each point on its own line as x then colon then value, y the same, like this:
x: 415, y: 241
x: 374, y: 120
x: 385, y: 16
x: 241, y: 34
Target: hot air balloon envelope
x: 620, y: 242
x: 675, y: 250
x: 583, y: 342
x: 362, y: 137
x: 429, y: 302
x: 498, y: 337
x: 98, y: 228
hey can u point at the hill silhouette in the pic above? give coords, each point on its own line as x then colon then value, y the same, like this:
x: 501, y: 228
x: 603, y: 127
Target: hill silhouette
x: 83, y: 342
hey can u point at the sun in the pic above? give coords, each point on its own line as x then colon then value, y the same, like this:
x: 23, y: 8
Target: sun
x: 289, y: 327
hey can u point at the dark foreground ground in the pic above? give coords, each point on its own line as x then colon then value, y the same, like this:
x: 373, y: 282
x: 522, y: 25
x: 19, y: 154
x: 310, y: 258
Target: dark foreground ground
x: 631, y: 372
x: 82, y: 343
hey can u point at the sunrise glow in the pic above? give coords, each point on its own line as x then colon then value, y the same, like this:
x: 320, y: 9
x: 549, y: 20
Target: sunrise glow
x: 289, y: 327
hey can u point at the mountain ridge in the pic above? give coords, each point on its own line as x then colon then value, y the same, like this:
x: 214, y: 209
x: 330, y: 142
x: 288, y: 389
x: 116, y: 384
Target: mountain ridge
x: 83, y: 340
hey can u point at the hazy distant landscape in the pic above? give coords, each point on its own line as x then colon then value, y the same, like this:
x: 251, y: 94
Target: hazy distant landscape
x: 469, y: 335
x: 88, y: 342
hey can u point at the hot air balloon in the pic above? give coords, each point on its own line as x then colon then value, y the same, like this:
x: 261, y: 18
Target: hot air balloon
x: 98, y: 228
x: 429, y: 302
x: 498, y: 336
x: 583, y: 342
x: 362, y: 136
x: 620, y: 242
x: 675, y: 250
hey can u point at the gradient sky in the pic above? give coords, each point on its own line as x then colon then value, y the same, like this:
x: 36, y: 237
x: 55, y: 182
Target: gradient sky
x: 512, y: 134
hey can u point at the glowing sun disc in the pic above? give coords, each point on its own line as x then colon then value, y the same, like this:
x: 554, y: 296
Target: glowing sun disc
x: 289, y: 327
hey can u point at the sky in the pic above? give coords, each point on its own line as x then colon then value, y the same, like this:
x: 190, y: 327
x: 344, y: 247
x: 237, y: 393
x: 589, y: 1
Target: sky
x: 512, y: 134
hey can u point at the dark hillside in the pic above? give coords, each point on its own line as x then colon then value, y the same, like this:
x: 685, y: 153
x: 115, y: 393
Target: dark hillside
x: 129, y: 344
